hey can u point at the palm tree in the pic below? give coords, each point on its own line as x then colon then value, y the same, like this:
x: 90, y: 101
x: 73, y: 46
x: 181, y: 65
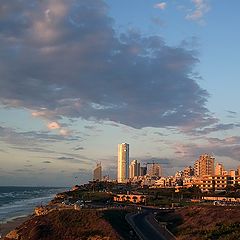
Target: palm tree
x: 123, y: 198
x: 134, y: 199
x: 143, y: 199
x: 128, y: 198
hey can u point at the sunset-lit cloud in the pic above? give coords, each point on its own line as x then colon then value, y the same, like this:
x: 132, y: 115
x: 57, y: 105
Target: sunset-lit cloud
x: 201, y: 7
x: 161, y: 5
x: 53, y: 125
x: 225, y: 149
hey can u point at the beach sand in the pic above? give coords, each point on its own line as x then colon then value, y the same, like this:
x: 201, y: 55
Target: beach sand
x: 5, y: 228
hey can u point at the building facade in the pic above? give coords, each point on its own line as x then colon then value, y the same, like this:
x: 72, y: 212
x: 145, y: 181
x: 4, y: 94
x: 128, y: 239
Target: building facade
x: 214, y: 183
x: 219, y: 169
x: 134, y: 169
x: 204, y: 165
x: 123, y: 162
x: 154, y: 170
x: 188, y: 172
x: 143, y: 171
x: 197, y: 168
x: 97, y: 172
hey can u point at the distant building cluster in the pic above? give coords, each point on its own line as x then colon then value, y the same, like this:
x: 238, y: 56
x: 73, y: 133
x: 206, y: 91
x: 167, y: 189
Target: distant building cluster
x: 130, y: 171
x: 205, y: 174
x: 133, y: 171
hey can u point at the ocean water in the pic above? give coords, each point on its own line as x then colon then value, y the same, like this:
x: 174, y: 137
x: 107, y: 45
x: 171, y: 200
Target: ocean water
x: 20, y: 201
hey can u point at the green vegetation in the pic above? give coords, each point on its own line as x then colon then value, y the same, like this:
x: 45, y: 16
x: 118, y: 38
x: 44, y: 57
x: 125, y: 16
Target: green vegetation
x: 84, y: 195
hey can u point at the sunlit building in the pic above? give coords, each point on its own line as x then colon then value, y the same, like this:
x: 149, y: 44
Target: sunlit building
x: 204, y: 165
x: 219, y: 169
x: 134, y: 169
x: 238, y: 171
x: 123, y: 162
x: 197, y: 168
x: 188, y: 172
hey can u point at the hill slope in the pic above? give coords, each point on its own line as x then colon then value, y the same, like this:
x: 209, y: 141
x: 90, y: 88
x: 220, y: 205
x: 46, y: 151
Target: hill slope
x: 67, y: 225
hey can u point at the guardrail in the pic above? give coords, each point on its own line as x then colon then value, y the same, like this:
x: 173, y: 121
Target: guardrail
x: 164, y: 230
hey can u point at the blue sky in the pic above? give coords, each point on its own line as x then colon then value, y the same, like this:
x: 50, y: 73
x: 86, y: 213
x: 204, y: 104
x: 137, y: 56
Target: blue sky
x: 79, y: 77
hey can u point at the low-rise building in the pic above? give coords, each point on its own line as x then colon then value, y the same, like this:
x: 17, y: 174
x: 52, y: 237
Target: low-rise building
x: 214, y: 182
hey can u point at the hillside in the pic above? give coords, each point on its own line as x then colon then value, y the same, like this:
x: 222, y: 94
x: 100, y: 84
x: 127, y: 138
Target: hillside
x: 72, y: 225
x: 205, y: 223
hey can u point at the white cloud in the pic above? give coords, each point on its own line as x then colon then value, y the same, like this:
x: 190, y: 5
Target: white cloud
x: 161, y: 5
x: 64, y: 132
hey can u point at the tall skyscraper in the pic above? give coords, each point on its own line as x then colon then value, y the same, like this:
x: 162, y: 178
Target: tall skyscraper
x: 123, y: 162
x: 97, y: 172
x: 134, y: 169
x: 204, y: 165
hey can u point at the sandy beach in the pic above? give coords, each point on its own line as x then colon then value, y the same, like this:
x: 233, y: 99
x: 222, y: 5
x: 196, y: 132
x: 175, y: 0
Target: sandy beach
x: 5, y: 228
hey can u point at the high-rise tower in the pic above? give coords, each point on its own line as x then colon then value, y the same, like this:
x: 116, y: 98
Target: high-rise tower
x: 123, y: 162
x: 204, y: 165
x: 97, y: 172
x: 134, y: 169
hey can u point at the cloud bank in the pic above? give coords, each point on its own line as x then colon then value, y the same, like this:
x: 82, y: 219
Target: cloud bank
x: 63, y: 59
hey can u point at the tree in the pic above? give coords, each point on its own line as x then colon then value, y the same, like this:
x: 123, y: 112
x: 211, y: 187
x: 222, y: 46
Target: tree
x: 128, y: 198
x: 134, y: 199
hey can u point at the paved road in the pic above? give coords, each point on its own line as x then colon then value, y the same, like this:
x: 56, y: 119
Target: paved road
x: 143, y: 224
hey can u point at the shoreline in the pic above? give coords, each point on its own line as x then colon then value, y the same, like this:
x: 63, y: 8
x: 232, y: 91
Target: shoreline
x: 12, y: 224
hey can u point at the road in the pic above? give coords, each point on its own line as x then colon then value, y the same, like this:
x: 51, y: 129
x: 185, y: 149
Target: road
x: 144, y: 225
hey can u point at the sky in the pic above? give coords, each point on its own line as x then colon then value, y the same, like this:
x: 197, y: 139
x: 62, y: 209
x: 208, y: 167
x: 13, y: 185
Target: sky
x: 78, y: 77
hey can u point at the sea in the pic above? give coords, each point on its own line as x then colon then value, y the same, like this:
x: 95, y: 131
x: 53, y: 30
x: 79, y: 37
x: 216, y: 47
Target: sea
x: 20, y: 201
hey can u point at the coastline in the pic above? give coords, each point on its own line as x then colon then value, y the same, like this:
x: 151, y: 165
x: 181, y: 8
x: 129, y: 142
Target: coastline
x: 12, y: 224
x: 14, y: 212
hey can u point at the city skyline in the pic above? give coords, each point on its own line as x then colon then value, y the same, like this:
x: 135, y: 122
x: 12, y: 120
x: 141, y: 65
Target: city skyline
x: 78, y: 77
